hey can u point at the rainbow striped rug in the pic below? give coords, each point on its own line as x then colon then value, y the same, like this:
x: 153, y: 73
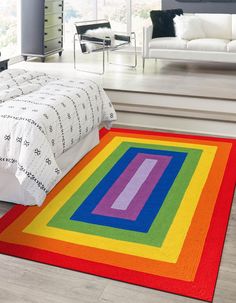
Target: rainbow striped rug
x: 142, y: 207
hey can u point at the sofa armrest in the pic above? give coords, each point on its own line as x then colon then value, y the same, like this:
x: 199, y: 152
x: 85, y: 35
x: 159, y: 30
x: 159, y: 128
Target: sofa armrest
x: 147, y: 37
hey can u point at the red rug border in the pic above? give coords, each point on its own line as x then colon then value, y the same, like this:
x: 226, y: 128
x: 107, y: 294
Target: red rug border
x: 104, y: 131
x: 216, y: 233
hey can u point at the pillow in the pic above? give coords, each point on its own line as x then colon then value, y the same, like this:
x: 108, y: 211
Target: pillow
x: 100, y: 33
x: 189, y: 27
x: 163, y: 25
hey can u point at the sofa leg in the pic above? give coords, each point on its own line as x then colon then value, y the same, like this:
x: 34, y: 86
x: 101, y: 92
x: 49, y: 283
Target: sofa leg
x: 143, y: 64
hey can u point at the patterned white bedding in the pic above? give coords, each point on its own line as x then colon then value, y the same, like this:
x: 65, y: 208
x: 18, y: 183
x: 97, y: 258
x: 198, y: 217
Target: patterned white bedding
x: 41, y: 117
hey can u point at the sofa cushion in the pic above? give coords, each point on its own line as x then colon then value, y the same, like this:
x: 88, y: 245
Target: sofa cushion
x: 189, y: 27
x: 168, y: 43
x: 163, y: 25
x: 218, y: 26
x: 214, y: 45
x: 232, y: 46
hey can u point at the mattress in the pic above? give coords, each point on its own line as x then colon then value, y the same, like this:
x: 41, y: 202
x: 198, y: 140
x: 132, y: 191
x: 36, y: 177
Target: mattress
x: 41, y: 118
x: 12, y: 191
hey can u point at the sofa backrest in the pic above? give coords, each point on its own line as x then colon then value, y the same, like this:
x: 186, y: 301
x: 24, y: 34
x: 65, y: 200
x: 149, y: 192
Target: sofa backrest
x: 218, y: 26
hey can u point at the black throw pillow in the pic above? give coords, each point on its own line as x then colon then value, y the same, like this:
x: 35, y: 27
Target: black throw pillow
x: 163, y: 24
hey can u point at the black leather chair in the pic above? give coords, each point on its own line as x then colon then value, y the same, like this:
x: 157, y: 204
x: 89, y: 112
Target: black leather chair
x: 103, y: 45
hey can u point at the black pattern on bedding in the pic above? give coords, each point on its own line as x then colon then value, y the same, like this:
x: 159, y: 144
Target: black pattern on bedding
x: 41, y: 117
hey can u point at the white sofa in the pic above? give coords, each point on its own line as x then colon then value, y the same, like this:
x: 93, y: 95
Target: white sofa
x: 219, y: 45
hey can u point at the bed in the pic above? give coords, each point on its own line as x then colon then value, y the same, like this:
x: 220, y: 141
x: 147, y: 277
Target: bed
x: 47, y: 125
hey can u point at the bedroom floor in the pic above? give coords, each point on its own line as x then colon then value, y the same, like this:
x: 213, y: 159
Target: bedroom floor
x: 26, y: 281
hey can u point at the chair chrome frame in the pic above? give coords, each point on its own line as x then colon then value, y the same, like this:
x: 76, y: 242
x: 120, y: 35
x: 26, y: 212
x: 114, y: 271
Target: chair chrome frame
x: 105, y: 47
x: 77, y: 38
x: 132, y: 36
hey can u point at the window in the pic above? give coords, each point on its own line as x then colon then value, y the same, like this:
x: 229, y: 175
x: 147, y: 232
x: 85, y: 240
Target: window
x: 141, y: 15
x: 124, y: 15
x: 8, y: 28
x: 77, y: 10
x: 115, y: 11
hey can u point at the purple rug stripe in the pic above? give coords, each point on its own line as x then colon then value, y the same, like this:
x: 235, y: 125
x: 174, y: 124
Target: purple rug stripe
x: 124, y: 199
x: 135, y: 206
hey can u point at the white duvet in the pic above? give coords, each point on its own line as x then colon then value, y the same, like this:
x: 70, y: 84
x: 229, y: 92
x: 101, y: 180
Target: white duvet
x: 41, y: 117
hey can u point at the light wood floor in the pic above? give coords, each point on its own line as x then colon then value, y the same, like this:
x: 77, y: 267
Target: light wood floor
x: 23, y: 281
x: 177, y: 78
